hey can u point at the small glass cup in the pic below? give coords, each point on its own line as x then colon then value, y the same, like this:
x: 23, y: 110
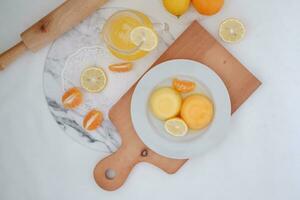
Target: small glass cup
x: 116, y: 34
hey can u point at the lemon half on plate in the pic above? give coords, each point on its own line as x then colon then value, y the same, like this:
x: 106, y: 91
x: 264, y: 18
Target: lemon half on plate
x: 93, y: 79
x: 176, y: 127
x: 144, y: 37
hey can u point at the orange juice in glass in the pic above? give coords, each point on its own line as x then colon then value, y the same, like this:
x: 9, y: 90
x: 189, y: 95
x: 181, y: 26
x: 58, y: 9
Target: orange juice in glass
x: 129, y: 35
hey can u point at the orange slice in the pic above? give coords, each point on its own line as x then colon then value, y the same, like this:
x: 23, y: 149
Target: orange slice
x: 72, y: 98
x: 121, y: 67
x: 92, y: 120
x: 183, y: 85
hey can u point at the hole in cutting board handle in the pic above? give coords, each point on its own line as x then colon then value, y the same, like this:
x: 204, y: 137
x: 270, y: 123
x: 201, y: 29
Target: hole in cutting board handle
x: 110, y: 174
x: 144, y: 153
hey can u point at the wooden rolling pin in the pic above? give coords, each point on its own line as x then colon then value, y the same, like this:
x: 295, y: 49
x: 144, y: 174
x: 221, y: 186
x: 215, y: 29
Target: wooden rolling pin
x: 59, y: 21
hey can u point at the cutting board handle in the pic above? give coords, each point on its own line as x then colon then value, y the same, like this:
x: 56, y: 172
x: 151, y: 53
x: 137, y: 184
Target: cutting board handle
x: 12, y: 54
x: 111, y: 172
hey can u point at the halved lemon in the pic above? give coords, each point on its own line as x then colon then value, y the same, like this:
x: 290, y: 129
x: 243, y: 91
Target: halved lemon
x: 232, y: 30
x: 144, y: 36
x: 176, y: 127
x: 93, y: 79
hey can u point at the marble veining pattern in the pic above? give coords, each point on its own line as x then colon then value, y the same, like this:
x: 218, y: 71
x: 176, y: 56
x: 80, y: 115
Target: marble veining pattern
x: 77, y: 49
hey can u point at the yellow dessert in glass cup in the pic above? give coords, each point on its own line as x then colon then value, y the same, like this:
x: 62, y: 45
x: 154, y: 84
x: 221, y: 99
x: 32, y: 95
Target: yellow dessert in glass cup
x: 129, y: 35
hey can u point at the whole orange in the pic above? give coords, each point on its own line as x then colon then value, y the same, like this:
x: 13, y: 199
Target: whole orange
x: 208, y: 7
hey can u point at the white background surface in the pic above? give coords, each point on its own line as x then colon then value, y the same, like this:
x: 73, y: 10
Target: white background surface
x: 260, y: 159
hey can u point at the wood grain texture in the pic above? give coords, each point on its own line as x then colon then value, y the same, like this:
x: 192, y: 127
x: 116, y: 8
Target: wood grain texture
x: 59, y: 21
x: 49, y: 28
x: 11, y: 54
x: 131, y: 152
x: 195, y: 44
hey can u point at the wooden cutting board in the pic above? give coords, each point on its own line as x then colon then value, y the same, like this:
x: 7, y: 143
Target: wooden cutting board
x: 195, y: 44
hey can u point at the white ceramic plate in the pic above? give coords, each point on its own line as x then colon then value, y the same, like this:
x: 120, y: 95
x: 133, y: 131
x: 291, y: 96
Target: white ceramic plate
x: 151, y: 130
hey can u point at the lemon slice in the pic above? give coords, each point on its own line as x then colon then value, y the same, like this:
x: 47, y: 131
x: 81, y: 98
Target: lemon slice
x: 145, y: 37
x: 93, y: 79
x: 176, y: 127
x: 232, y: 30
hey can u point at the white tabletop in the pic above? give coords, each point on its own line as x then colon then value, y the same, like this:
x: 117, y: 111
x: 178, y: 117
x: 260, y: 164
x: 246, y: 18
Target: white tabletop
x: 260, y: 158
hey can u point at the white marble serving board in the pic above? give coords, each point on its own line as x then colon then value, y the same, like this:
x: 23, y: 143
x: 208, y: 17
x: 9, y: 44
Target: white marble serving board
x: 69, y: 55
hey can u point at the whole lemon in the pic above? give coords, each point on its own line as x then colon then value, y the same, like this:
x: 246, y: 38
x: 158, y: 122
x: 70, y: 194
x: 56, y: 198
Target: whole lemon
x: 177, y: 7
x: 208, y: 7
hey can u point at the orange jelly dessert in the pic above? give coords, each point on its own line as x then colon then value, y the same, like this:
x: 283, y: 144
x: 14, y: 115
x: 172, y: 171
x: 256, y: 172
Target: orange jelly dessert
x: 197, y: 111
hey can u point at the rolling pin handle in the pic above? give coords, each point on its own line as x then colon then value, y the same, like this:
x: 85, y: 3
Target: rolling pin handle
x: 12, y: 54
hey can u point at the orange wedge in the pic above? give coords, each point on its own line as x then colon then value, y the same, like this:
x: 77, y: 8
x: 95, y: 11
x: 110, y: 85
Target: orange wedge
x: 92, y: 120
x: 183, y: 85
x: 121, y: 67
x: 72, y: 98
